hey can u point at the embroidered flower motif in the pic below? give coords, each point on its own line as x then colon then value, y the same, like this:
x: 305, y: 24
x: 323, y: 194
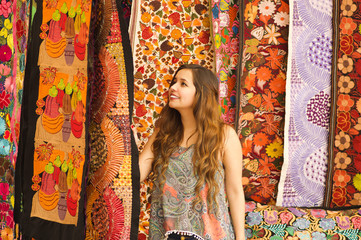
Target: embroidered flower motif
x: 278, y: 85
x: 4, y: 70
x: 5, y: 53
x: 5, y: 8
x: 344, y: 102
x: 270, y: 217
x: 318, y: 213
x: 44, y: 151
x: 345, y: 84
x: 338, y: 197
x: 282, y: 19
x: 342, y: 160
x: 318, y: 236
x: 348, y: 7
x: 267, y: 7
x: 254, y: 218
x: 275, y: 149
x: 343, y: 121
x: 4, y: 147
x: 356, y: 199
x: 261, y: 139
x: 341, y: 178
x: 345, y: 64
x: 301, y: 223
x: 327, y: 224
x: 264, y: 73
x: 343, y: 222
x: 347, y: 26
x: 346, y: 44
x: 356, y: 221
x: 272, y: 34
x: 342, y: 141
x: 357, y: 181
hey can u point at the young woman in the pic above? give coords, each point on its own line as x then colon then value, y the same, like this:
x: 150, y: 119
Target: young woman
x: 195, y: 160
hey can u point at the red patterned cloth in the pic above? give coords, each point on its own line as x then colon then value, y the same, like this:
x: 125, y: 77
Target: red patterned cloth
x: 262, y: 96
x: 344, y: 176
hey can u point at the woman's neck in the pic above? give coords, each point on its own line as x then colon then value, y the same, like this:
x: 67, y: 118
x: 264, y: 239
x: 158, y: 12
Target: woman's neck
x: 189, y: 128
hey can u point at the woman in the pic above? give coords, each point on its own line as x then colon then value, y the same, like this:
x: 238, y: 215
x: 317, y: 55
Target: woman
x: 195, y: 158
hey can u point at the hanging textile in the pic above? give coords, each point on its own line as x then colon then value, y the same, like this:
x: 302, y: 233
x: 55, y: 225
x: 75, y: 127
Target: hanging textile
x: 164, y: 35
x: 112, y: 209
x: 343, y: 188
x: 51, y: 166
x: 303, y: 175
x: 225, y: 32
x: 8, y: 53
x: 262, y: 95
x: 271, y: 222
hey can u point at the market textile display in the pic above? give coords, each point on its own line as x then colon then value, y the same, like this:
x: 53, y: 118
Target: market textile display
x: 304, y: 169
x: 8, y: 59
x: 343, y: 185
x: 51, y: 166
x: 112, y: 207
x: 277, y: 223
x: 262, y: 95
x: 225, y: 29
x: 164, y: 35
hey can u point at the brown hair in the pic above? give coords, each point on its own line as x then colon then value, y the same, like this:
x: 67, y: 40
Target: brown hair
x: 209, y: 132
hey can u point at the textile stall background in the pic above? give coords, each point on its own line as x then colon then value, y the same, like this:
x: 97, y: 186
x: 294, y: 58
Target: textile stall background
x: 112, y: 207
x: 303, y: 175
x: 262, y: 95
x: 164, y: 35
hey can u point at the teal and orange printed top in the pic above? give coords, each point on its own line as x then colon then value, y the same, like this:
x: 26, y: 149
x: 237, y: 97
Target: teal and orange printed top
x: 172, y: 209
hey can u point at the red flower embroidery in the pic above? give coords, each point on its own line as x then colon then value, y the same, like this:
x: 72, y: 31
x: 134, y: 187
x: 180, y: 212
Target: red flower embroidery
x: 5, y: 53
x: 4, y: 99
x: 339, y: 196
x: 343, y: 121
x: 346, y: 44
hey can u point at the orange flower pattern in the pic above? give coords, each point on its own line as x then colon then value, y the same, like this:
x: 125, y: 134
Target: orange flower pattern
x: 344, y: 160
x: 263, y: 83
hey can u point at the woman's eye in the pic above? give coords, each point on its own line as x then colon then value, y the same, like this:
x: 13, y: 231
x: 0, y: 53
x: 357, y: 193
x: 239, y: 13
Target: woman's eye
x: 184, y: 84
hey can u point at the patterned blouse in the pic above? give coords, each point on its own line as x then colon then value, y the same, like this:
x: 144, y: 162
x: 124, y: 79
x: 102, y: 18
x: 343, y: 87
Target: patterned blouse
x: 172, y: 209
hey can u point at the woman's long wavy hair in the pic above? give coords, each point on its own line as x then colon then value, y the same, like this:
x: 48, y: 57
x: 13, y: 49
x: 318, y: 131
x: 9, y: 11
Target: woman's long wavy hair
x: 209, y: 132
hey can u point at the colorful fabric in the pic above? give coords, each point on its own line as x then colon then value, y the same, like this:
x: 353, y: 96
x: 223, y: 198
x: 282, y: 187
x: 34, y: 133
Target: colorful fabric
x: 8, y: 62
x: 112, y: 208
x: 164, y: 35
x: 304, y: 170
x: 344, y: 178
x: 277, y: 223
x: 51, y: 163
x: 172, y: 210
x: 225, y: 32
x: 262, y: 96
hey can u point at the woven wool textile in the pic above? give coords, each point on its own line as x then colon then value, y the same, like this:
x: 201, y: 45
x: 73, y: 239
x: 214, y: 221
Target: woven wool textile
x: 262, y: 95
x: 277, y: 223
x: 51, y: 166
x: 303, y: 175
x: 112, y: 208
x: 225, y: 29
x: 164, y: 35
x: 343, y: 187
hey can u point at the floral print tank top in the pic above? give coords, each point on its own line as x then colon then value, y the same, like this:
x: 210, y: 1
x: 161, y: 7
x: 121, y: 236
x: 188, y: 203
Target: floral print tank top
x: 172, y: 209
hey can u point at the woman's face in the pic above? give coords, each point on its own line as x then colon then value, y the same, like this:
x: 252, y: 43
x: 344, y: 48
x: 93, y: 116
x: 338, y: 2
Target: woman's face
x: 182, y: 92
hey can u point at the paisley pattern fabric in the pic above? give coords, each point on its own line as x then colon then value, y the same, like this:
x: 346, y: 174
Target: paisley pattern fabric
x: 277, y: 223
x: 164, y: 35
x: 303, y: 175
x: 112, y: 208
x: 225, y: 26
x: 51, y: 162
x: 262, y: 95
x: 172, y: 211
x: 344, y: 177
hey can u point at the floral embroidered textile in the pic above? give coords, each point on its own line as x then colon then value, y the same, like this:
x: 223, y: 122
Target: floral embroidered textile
x: 225, y: 28
x: 344, y: 185
x: 262, y: 96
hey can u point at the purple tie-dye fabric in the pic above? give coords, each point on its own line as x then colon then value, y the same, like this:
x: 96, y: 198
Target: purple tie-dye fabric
x: 303, y: 175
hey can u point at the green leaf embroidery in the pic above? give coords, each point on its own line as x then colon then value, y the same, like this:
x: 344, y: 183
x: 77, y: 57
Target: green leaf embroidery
x: 278, y: 229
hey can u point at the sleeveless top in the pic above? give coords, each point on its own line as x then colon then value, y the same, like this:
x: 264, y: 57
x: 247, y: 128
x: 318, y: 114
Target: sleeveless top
x: 172, y: 208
